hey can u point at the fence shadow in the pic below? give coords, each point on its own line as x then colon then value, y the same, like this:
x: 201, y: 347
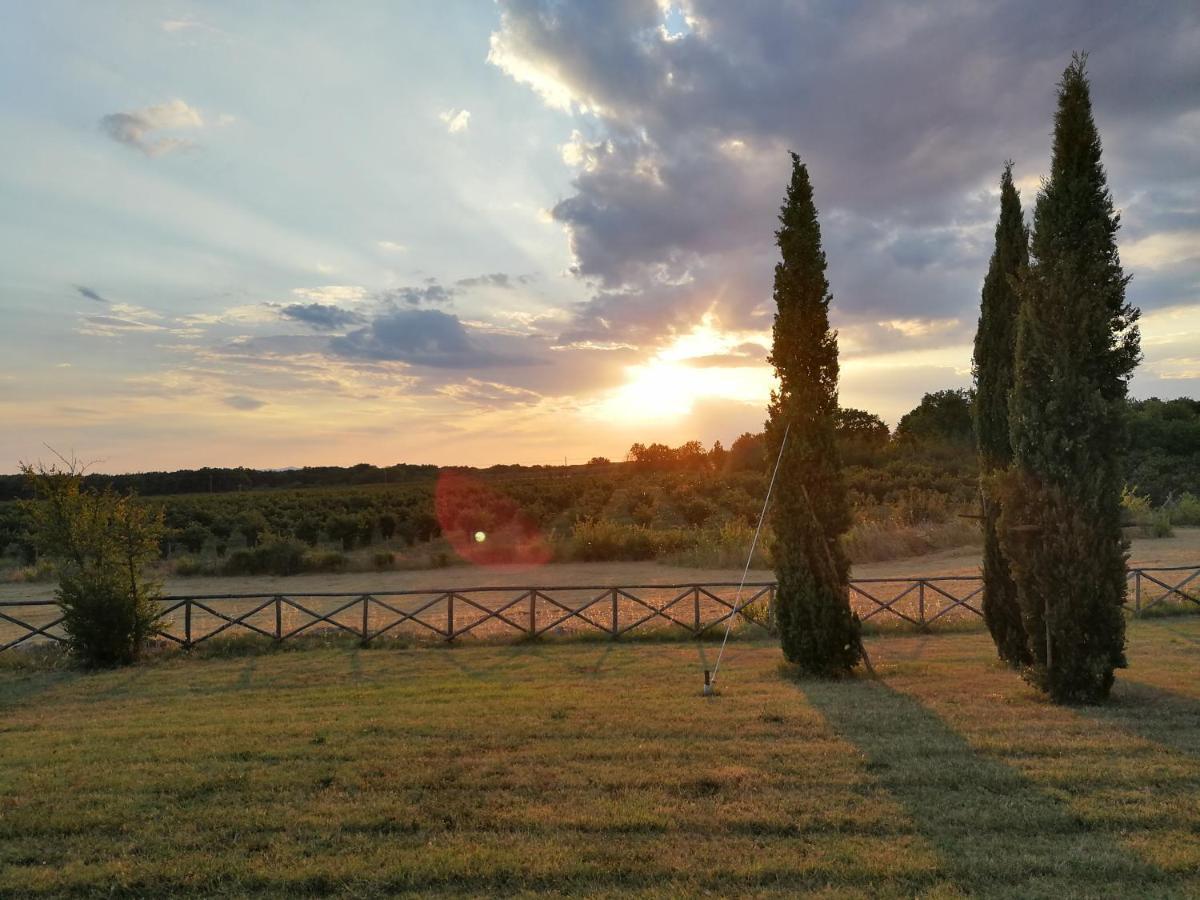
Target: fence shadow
x: 990, y: 824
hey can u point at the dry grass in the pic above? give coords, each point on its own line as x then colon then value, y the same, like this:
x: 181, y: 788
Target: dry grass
x: 598, y: 769
x: 1182, y: 549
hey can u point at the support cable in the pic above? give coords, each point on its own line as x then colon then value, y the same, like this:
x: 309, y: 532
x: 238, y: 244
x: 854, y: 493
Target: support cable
x: 746, y: 571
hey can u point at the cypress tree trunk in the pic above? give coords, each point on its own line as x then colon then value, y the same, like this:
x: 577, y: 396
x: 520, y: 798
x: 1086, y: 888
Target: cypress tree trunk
x: 1077, y: 345
x: 817, y: 629
x: 995, y: 342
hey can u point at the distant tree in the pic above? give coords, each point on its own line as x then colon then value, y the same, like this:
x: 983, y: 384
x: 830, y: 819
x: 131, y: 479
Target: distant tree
x: 995, y: 344
x: 366, y: 530
x: 748, y: 453
x: 309, y: 531
x: 194, y: 537
x: 1077, y: 345
x: 691, y: 455
x: 695, y: 510
x: 718, y: 456
x: 387, y: 526
x: 859, y: 426
x: 943, y: 416
x: 598, y: 461
x: 818, y: 630
x: 346, y: 529
x: 101, y: 543
x: 252, y: 525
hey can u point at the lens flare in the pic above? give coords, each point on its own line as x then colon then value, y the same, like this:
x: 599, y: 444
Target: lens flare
x: 485, y: 526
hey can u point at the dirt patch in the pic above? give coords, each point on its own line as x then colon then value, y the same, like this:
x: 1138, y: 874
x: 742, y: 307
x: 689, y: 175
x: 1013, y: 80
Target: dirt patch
x: 1182, y: 549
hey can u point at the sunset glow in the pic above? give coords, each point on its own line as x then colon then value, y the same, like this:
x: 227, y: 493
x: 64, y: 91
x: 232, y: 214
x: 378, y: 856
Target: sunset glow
x: 218, y: 254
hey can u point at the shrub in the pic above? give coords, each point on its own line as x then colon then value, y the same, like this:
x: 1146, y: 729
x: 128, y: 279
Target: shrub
x: 189, y: 565
x: 194, y: 537
x: 101, y: 543
x: 274, y: 557
x: 602, y: 540
x: 384, y: 560
x: 1185, y: 510
x: 330, y: 561
x: 1158, y: 525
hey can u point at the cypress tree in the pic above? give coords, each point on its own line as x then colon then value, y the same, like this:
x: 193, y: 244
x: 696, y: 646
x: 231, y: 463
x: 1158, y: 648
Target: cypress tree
x: 995, y: 341
x: 1077, y: 345
x: 818, y: 630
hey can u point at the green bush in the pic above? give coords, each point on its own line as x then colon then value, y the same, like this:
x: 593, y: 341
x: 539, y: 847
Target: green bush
x: 189, y: 565
x: 1158, y: 525
x: 1185, y: 511
x: 275, y: 557
x: 603, y: 540
x: 384, y: 560
x: 100, y: 543
x: 106, y: 622
x: 330, y: 561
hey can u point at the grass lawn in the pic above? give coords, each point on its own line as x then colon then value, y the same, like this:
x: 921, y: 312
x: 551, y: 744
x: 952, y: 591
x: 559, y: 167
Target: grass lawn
x: 597, y: 768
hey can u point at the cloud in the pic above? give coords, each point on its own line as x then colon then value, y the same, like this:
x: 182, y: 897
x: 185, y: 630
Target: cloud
x: 432, y: 292
x: 457, y: 120
x: 391, y: 246
x: 136, y: 129
x: 320, y: 316
x: 332, y: 293
x: 113, y: 326
x: 175, y: 26
x: 423, y: 337
x: 496, y: 279
x: 904, y: 115
x: 241, y: 401
x: 90, y: 294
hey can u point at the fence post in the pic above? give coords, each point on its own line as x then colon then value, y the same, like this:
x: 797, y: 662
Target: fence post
x: 696, y: 598
x: 450, y: 616
x: 278, y: 618
x: 921, y: 602
x: 1137, y: 592
x: 366, y: 600
x: 615, y: 607
x: 187, y: 623
x: 532, y: 613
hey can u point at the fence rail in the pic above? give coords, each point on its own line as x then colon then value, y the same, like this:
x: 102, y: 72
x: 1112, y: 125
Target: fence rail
x: 453, y: 613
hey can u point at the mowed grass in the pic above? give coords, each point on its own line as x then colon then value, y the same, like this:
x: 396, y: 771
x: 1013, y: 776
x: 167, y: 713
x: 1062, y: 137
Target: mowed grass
x: 594, y: 768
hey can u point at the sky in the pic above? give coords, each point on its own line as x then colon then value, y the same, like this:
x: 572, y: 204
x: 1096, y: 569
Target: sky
x: 460, y: 232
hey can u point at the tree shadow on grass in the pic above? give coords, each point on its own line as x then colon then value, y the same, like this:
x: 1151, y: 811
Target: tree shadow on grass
x: 1154, y: 713
x: 997, y: 834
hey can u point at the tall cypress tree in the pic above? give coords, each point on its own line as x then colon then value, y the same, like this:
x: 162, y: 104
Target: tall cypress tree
x: 1077, y: 345
x: 995, y: 341
x: 818, y: 630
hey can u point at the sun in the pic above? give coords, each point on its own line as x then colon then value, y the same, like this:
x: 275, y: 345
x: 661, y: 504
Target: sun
x: 706, y: 363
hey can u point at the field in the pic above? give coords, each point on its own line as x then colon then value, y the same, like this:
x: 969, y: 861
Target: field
x: 550, y: 614
x: 598, y: 768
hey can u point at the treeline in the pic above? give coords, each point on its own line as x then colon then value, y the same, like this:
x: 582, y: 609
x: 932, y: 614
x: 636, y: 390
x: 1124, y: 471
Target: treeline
x: 223, y: 481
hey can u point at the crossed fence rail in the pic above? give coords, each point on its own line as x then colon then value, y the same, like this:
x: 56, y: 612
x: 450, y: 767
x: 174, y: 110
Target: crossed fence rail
x: 450, y: 614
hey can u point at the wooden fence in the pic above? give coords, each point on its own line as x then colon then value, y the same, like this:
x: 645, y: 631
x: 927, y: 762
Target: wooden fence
x: 451, y: 614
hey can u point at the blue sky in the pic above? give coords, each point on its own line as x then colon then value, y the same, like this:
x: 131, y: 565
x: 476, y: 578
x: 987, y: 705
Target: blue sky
x: 466, y: 232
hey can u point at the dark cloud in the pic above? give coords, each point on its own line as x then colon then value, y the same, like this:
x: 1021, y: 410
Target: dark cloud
x: 904, y: 114
x: 321, y: 316
x: 241, y: 401
x: 743, y: 356
x: 424, y: 337
x: 432, y: 292
x: 85, y: 291
x: 496, y: 279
